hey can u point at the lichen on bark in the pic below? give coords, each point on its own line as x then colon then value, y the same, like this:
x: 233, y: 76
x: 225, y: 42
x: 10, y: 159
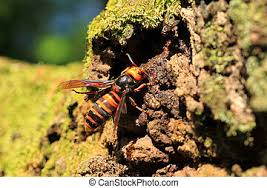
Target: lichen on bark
x: 249, y: 18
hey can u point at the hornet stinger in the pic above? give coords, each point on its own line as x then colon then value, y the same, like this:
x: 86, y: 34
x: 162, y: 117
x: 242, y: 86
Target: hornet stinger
x: 112, y: 103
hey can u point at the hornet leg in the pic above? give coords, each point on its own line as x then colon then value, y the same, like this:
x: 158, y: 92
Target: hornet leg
x: 133, y: 103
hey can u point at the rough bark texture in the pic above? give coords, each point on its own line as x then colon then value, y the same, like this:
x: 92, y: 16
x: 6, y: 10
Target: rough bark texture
x: 205, y: 112
x: 207, y: 103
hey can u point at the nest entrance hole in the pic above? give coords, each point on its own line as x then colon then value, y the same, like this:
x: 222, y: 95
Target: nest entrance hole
x: 142, y: 46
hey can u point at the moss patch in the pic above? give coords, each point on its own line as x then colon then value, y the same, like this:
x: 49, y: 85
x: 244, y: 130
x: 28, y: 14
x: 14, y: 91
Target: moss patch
x: 253, y: 39
x: 30, y: 103
x: 120, y: 19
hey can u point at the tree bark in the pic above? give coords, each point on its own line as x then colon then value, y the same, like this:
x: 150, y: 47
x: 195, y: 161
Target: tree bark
x: 203, y: 115
x: 207, y: 58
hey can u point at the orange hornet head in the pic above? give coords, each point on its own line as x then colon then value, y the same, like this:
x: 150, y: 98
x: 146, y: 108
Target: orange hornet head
x: 136, y: 73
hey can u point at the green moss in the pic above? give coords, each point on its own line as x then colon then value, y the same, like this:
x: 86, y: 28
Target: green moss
x: 30, y: 103
x: 217, y: 54
x: 250, y: 20
x: 221, y: 39
x: 247, y: 17
x: 65, y: 155
x: 118, y: 21
x: 257, y: 84
x: 240, y: 14
x: 213, y: 95
x: 208, y: 142
x: 259, y: 171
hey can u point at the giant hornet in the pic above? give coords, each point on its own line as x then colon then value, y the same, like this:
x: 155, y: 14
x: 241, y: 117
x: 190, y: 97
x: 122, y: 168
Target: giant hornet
x: 113, y: 102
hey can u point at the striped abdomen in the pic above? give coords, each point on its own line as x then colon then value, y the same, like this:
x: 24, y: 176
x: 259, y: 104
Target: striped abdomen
x: 103, y: 108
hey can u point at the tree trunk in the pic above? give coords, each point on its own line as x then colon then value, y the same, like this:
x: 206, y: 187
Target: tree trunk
x: 208, y: 61
x: 204, y: 113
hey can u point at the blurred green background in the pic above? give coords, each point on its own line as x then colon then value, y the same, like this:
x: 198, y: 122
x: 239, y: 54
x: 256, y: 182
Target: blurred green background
x: 46, y: 31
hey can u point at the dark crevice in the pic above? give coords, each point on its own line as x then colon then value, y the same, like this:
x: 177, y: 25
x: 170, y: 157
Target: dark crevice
x: 71, y: 108
x: 53, y: 137
x: 227, y: 148
x: 2, y: 173
x: 182, y: 107
x: 53, y: 133
x: 141, y: 47
x: 198, y: 2
x: 185, y: 3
